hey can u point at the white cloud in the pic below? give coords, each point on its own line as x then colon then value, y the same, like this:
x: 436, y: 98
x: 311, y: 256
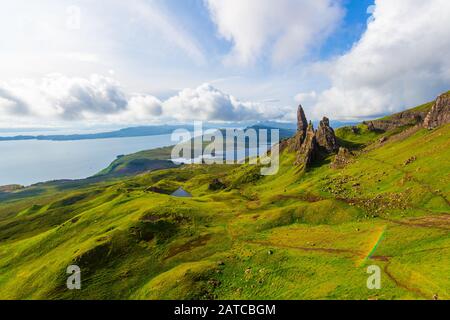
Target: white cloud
x: 80, y: 56
x: 284, y: 31
x: 98, y: 99
x: 57, y: 97
x: 140, y: 109
x: 210, y: 104
x: 306, y: 97
x: 145, y: 104
x: 400, y: 61
x: 12, y: 104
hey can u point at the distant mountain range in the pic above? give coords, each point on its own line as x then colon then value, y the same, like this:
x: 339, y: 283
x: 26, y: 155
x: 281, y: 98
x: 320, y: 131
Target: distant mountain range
x: 143, y: 131
x: 122, y: 133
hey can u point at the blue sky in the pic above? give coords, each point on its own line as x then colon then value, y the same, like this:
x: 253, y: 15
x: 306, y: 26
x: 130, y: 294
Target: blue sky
x: 353, y: 26
x: 80, y: 62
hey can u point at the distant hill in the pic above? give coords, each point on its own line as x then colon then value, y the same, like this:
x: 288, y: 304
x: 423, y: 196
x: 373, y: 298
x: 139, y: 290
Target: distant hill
x: 293, y: 126
x: 143, y: 131
x: 283, y: 132
x: 148, y: 160
x: 122, y: 133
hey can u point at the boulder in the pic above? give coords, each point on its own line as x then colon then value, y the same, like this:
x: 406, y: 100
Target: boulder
x: 439, y: 113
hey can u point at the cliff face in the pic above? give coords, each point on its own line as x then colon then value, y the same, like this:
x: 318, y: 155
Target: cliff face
x: 406, y: 118
x: 439, y: 113
x: 430, y: 119
x: 312, y: 144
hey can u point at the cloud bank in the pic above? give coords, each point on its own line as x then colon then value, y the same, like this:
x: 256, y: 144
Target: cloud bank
x: 57, y: 99
x: 61, y: 97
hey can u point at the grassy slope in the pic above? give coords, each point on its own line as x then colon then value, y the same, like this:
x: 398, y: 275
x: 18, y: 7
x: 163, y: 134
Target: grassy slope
x: 362, y: 137
x: 290, y: 236
x: 139, y: 162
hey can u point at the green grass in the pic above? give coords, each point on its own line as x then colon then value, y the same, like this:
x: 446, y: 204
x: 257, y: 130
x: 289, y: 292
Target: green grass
x: 139, y: 162
x: 357, y: 136
x: 295, y: 235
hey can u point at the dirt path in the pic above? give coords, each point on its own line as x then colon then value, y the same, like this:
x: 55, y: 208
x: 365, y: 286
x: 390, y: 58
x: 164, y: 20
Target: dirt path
x: 435, y: 222
x: 403, y: 285
x: 308, y: 249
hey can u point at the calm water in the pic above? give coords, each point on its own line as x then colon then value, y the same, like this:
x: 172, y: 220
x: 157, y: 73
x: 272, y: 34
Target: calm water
x: 28, y: 162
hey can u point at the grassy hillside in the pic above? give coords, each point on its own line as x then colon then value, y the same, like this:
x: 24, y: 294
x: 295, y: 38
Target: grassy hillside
x: 295, y: 235
x: 138, y: 162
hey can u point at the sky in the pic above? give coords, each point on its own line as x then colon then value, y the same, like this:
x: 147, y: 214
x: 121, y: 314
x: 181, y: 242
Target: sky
x: 90, y: 63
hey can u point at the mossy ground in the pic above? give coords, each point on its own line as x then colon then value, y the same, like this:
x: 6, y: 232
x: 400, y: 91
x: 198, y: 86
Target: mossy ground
x: 295, y: 235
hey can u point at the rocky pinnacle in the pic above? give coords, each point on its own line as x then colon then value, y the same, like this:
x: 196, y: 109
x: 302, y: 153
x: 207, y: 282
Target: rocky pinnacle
x: 311, y: 144
x: 302, y: 123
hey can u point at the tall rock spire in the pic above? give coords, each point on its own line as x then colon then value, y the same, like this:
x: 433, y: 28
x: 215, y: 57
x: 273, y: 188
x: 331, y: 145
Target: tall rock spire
x: 302, y: 123
x: 302, y: 126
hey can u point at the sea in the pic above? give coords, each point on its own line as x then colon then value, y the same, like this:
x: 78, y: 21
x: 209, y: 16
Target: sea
x: 31, y: 161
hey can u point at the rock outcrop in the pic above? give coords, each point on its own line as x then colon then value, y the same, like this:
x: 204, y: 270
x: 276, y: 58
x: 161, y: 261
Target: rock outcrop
x: 370, y: 126
x: 325, y: 137
x: 402, y: 119
x: 308, y: 151
x: 11, y: 188
x: 302, y: 126
x: 431, y: 115
x: 439, y: 113
x: 302, y: 123
x: 343, y: 158
x: 310, y: 144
